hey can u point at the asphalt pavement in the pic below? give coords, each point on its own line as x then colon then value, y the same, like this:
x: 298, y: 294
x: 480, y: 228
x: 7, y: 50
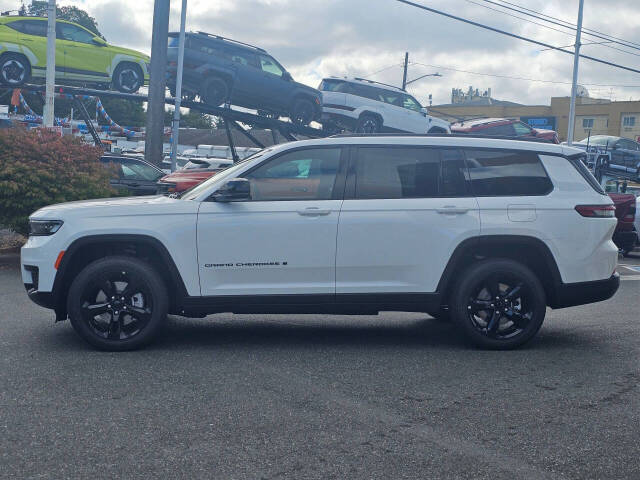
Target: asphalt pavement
x: 394, y: 396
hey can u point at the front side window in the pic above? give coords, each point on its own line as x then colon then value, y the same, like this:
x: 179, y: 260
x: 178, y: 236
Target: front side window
x: 66, y: 31
x: 308, y: 174
x: 140, y: 171
x: 506, y: 130
x: 522, y: 129
x: 497, y: 173
x: 410, y: 103
x: 269, y: 65
x: 409, y: 172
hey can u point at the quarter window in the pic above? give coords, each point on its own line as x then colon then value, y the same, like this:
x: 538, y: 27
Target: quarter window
x: 299, y: 175
x: 497, y: 173
x: 411, y: 172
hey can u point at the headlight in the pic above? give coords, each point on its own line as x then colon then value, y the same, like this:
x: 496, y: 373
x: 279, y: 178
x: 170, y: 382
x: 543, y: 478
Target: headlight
x: 44, y: 227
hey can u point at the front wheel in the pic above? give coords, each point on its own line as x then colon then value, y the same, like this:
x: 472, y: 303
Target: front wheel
x: 368, y: 124
x: 499, y: 304
x: 128, y: 78
x: 117, y: 303
x: 15, y: 70
x: 215, y: 92
x: 302, y: 112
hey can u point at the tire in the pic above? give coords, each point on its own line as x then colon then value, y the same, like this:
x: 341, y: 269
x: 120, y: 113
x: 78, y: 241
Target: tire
x: 215, y: 92
x: 100, y: 286
x: 441, y: 316
x: 128, y: 77
x: 498, y: 285
x: 302, y: 112
x: 15, y: 70
x: 368, y: 124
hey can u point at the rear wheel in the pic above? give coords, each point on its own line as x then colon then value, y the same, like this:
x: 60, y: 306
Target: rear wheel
x: 215, y: 92
x: 499, y: 304
x: 15, y: 70
x: 128, y: 78
x: 368, y: 124
x: 117, y: 303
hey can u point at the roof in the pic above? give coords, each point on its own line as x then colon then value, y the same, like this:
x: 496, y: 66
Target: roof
x: 364, y: 81
x: 211, y: 36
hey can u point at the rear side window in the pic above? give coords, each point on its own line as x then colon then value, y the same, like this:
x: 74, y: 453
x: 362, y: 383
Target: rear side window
x: 578, y: 161
x: 409, y: 172
x: 503, y: 173
x: 30, y: 27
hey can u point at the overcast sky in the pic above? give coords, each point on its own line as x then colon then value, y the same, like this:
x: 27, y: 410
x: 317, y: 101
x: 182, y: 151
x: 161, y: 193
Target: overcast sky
x: 316, y: 38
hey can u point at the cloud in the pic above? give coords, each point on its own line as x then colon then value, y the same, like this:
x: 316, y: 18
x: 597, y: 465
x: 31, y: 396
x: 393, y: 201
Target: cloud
x: 317, y: 38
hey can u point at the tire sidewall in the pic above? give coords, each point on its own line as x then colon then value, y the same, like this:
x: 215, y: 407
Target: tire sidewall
x: 363, y: 121
x: 116, y: 77
x: 297, y: 105
x: 26, y: 64
x: 469, y: 280
x: 222, y: 87
x: 148, y: 276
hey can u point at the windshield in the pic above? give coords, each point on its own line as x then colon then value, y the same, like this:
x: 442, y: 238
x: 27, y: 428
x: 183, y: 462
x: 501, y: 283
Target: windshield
x: 599, y: 141
x: 194, y: 192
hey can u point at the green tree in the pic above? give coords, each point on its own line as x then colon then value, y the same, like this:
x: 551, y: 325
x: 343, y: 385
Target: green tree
x: 192, y: 119
x: 72, y: 14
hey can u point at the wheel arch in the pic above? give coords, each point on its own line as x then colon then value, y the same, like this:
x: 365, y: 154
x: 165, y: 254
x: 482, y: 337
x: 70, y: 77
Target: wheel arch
x: 530, y: 251
x: 305, y: 96
x: 437, y: 130
x: 88, y: 249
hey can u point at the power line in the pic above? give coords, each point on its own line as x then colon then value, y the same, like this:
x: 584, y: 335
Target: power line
x: 513, y: 35
x: 573, y: 25
x: 568, y: 25
x: 558, y: 82
x: 382, y: 70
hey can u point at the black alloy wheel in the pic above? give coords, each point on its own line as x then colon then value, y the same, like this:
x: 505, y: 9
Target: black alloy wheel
x: 368, y: 124
x: 14, y: 70
x: 215, y: 92
x: 117, y: 303
x: 499, y: 303
x: 302, y: 112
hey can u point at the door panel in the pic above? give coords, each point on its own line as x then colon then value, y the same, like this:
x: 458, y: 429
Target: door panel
x: 283, y: 240
x: 83, y: 60
x: 408, y: 212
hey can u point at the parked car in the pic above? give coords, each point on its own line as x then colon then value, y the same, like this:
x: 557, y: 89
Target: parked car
x: 625, y: 236
x: 220, y: 70
x: 82, y: 57
x: 596, y: 147
x: 133, y: 176
x: 504, y: 127
x: 194, y: 172
x: 365, y: 106
x: 615, y: 156
x: 482, y: 229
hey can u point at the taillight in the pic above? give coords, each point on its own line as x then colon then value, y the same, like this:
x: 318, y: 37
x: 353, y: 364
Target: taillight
x: 631, y: 215
x: 596, y: 211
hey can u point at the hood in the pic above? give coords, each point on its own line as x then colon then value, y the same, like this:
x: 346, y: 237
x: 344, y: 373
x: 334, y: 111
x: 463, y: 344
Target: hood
x: 128, y: 51
x: 104, y: 207
x: 196, y: 174
x: 547, y: 134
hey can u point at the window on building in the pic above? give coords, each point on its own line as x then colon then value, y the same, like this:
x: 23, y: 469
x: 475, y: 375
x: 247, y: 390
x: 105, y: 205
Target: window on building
x: 587, y: 123
x: 628, y: 121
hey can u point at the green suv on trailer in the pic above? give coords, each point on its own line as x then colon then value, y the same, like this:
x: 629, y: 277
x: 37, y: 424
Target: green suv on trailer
x: 82, y: 57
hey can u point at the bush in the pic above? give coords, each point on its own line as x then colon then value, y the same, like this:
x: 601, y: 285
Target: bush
x: 39, y: 168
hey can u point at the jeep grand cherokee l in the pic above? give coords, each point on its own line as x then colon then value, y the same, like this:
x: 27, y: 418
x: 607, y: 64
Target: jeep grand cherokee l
x: 480, y: 229
x: 220, y: 70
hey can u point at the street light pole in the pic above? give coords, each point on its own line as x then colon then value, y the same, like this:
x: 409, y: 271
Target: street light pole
x: 175, y: 128
x: 421, y: 77
x: 404, y: 74
x: 50, y: 74
x: 157, y: 83
x: 574, y: 83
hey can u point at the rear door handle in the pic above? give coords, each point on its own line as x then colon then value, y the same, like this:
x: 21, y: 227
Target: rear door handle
x: 452, y: 210
x: 313, y: 212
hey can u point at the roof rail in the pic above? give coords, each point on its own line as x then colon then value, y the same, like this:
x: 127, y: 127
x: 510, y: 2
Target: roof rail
x: 439, y: 135
x: 230, y: 40
x: 378, y: 83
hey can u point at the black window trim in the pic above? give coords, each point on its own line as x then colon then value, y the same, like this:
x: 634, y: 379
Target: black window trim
x: 513, y: 150
x: 338, y: 187
x: 350, y: 187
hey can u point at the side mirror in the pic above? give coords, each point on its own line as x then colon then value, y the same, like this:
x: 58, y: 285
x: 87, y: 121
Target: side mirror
x: 235, y: 190
x: 424, y: 111
x: 99, y: 41
x: 287, y: 76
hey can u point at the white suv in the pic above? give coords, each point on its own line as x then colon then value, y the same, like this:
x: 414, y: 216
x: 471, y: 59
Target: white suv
x: 488, y: 232
x: 364, y: 106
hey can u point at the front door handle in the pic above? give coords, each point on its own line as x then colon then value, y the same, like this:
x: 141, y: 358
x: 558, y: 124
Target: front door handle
x: 313, y: 212
x: 452, y: 210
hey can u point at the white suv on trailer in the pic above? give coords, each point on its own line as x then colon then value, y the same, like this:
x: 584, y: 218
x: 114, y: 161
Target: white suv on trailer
x: 365, y: 106
x: 487, y: 231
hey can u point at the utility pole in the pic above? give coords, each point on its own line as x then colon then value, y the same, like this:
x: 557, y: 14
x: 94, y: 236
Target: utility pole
x: 50, y: 74
x: 157, y: 83
x: 406, y: 66
x: 574, y: 83
x: 175, y: 128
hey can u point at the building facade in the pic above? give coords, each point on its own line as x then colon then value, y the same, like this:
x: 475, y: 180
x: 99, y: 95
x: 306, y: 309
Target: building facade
x: 593, y: 116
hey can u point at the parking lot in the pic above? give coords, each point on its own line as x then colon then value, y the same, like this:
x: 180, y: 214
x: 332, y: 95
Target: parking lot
x: 391, y: 396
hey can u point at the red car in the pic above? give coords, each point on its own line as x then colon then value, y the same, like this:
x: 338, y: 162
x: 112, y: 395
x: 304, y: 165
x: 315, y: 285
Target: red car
x: 194, y: 172
x: 625, y: 236
x: 503, y: 127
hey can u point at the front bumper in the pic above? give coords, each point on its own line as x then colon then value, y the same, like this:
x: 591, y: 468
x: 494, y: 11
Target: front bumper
x: 572, y: 294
